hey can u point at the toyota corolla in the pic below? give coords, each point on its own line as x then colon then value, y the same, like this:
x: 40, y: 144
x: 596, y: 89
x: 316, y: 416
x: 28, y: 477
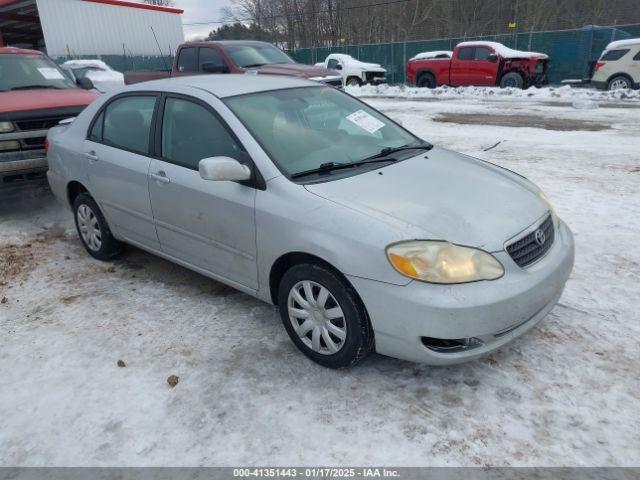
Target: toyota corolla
x: 366, y: 237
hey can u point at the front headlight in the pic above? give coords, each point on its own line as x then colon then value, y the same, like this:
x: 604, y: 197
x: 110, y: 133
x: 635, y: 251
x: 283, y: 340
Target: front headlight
x: 6, y: 127
x: 547, y: 200
x: 443, y: 262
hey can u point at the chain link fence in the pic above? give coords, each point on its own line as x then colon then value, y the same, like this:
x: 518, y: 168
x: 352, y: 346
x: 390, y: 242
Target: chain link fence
x: 571, y: 51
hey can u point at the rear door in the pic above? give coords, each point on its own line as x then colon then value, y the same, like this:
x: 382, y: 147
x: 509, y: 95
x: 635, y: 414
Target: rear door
x: 117, y: 155
x: 462, y: 66
x: 635, y: 67
x: 210, y: 225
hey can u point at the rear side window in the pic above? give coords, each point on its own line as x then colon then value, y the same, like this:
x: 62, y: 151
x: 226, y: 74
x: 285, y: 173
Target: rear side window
x: 127, y: 123
x: 466, y: 53
x: 613, y: 55
x: 188, y: 60
x: 191, y: 133
x: 95, y: 135
x: 211, y: 61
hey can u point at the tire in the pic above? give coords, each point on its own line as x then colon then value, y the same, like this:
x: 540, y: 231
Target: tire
x: 349, y: 338
x: 426, y: 80
x: 93, y: 230
x: 619, y: 83
x: 512, y: 80
x: 354, y: 82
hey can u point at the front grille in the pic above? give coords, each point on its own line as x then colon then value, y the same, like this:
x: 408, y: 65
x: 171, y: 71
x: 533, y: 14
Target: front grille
x: 38, y: 124
x: 371, y: 75
x: 533, y: 246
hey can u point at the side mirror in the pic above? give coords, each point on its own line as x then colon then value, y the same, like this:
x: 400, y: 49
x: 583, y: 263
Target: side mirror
x: 220, y: 169
x: 493, y: 58
x: 210, y: 67
x: 338, y: 67
x: 85, y: 83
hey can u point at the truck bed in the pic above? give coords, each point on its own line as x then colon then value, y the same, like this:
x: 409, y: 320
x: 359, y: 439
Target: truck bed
x: 139, y: 77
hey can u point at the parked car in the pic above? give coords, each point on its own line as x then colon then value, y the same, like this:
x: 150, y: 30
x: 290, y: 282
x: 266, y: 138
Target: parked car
x: 480, y: 64
x: 34, y: 96
x: 235, y: 56
x: 102, y: 76
x: 354, y: 72
x: 619, y: 66
x: 365, y: 236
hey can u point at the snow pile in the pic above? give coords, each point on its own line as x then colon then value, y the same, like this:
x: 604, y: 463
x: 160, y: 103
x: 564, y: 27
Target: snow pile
x: 99, y: 64
x: 435, y: 55
x: 548, y: 93
x: 104, y: 78
x: 504, y: 52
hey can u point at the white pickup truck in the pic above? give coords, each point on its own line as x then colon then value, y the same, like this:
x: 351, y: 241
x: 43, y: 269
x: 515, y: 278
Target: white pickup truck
x: 354, y: 72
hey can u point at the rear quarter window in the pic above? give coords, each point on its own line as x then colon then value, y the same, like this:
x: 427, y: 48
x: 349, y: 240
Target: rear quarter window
x: 613, y: 55
x: 637, y: 57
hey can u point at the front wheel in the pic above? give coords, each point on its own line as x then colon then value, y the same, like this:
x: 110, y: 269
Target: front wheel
x: 619, y: 83
x: 93, y: 229
x: 324, y: 316
x: 512, y: 80
x: 354, y: 82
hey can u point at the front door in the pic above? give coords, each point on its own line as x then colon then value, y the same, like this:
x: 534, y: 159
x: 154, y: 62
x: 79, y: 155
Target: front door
x: 117, y: 164
x: 484, y: 72
x: 208, y: 224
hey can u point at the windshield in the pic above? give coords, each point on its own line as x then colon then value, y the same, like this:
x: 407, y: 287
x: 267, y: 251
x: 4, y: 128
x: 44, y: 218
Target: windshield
x: 255, y: 55
x: 24, y: 72
x: 304, y: 128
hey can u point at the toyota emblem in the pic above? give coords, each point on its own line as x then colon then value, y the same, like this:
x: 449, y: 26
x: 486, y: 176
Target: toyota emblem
x: 540, y: 237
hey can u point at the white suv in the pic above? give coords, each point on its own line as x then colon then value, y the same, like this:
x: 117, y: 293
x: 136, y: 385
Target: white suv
x: 619, y: 66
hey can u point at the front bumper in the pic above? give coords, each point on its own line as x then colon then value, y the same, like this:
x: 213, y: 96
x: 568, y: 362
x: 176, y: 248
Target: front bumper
x: 490, y: 313
x: 21, y: 163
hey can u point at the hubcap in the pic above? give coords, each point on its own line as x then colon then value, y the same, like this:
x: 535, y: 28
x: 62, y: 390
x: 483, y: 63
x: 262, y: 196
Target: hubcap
x: 89, y: 228
x: 619, y: 84
x: 316, y: 317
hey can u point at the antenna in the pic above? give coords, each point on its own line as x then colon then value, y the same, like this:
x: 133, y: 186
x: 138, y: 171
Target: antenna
x: 164, y: 62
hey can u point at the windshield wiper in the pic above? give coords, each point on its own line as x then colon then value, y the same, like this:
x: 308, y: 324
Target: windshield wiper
x: 253, y: 65
x: 391, y: 150
x: 331, y: 166
x: 34, y: 87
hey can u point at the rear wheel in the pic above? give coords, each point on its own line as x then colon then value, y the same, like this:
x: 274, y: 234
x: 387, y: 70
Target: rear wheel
x: 93, y: 229
x: 620, y: 83
x: 426, y: 80
x: 512, y: 80
x: 324, y: 316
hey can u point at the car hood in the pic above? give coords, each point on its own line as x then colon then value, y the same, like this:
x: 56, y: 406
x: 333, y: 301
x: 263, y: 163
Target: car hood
x: 24, y: 100
x: 366, y: 66
x: 296, y: 70
x: 446, y: 196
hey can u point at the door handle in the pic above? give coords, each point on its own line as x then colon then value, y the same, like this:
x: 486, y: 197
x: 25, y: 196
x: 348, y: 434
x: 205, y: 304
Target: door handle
x: 160, y: 177
x: 91, y: 156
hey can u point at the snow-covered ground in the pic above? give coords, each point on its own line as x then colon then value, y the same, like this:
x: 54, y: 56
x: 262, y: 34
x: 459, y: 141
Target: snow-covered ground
x: 567, y: 393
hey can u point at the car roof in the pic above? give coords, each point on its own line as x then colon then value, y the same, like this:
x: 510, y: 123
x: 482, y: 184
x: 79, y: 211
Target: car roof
x: 227, y: 85
x: 631, y: 42
x: 229, y: 42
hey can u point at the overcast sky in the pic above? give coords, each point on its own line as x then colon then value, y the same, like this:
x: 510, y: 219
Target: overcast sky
x: 200, y: 11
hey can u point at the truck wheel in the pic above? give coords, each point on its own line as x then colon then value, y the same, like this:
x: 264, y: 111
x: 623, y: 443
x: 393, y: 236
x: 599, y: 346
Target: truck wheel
x: 353, y: 82
x: 426, y: 80
x: 93, y: 229
x: 619, y: 83
x: 512, y: 80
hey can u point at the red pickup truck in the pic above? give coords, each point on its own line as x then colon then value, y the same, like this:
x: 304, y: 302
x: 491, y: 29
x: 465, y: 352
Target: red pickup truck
x: 236, y: 56
x: 34, y: 96
x: 480, y: 64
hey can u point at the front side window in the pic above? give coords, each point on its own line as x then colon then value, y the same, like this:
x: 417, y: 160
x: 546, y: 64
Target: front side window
x: 613, y: 55
x: 256, y: 55
x: 191, y: 133
x: 31, y: 72
x: 303, y: 128
x: 127, y: 123
x: 466, y: 53
x: 188, y: 60
x: 482, y: 53
x: 333, y: 63
x: 637, y: 57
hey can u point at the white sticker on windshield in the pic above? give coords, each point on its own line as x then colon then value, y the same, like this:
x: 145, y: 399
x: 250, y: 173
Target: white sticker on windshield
x: 51, y: 73
x: 365, y: 121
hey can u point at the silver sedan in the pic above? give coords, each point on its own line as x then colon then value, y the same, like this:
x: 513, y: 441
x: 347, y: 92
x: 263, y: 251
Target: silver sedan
x: 365, y: 236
